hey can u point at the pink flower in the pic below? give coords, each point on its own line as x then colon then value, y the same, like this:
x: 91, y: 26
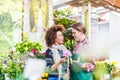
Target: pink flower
x: 32, y: 54
x: 66, y: 53
x: 90, y: 67
x: 44, y: 53
x: 34, y: 50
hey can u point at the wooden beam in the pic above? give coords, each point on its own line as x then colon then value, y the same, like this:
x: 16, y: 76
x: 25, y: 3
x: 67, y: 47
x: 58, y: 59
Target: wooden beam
x: 77, y: 3
x: 114, y: 3
x: 117, y: 3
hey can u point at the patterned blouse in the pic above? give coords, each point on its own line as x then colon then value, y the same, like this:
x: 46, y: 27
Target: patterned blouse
x: 50, y: 62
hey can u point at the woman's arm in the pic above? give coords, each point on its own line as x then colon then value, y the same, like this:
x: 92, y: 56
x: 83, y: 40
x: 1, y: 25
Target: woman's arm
x: 58, y: 63
x: 50, y: 60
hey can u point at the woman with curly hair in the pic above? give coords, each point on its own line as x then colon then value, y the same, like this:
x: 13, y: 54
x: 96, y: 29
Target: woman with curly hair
x: 55, y: 58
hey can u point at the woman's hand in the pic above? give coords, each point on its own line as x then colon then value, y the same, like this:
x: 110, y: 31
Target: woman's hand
x: 84, y: 66
x: 88, y: 67
x: 62, y: 60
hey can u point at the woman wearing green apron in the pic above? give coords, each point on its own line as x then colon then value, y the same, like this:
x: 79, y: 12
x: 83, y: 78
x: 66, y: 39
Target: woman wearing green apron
x: 81, y: 68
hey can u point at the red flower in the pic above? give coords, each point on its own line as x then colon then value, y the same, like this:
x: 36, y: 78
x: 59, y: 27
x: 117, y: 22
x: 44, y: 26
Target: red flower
x: 44, y: 53
x: 34, y: 50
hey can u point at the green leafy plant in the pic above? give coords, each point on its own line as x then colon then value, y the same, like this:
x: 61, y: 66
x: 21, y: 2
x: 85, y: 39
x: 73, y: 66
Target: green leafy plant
x: 111, y: 66
x: 11, y: 65
x: 1, y: 73
x: 99, y: 70
x: 103, y: 67
x: 64, y: 17
x: 34, y: 48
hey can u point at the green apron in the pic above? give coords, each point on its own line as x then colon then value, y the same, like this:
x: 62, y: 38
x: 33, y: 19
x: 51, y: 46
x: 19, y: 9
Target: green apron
x: 77, y: 73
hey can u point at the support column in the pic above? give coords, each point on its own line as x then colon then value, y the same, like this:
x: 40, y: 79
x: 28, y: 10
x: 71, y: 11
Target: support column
x: 86, y: 19
x: 50, y: 21
x: 89, y: 20
x: 26, y: 24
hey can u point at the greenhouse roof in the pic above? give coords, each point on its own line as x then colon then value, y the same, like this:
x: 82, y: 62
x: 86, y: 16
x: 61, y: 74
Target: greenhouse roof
x: 110, y: 4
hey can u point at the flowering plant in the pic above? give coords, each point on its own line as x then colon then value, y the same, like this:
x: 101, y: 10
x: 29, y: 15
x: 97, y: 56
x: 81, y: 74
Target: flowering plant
x: 90, y: 67
x: 104, y: 67
x: 66, y: 53
x: 11, y: 65
x: 34, y: 48
x: 44, y: 76
x: 37, y: 54
x: 111, y: 66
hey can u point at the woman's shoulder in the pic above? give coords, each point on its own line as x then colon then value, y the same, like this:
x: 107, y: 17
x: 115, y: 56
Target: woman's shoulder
x: 62, y: 47
x: 48, y: 51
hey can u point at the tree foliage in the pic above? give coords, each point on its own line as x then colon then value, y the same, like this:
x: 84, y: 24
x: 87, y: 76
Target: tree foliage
x: 64, y: 17
x: 10, y: 18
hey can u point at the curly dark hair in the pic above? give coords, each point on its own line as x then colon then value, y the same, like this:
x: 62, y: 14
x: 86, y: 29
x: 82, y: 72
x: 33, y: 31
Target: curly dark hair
x: 50, y: 35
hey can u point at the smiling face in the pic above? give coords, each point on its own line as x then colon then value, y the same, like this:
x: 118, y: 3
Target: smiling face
x: 76, y: 34
x: 59, y: 38
x: 78, y: 31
